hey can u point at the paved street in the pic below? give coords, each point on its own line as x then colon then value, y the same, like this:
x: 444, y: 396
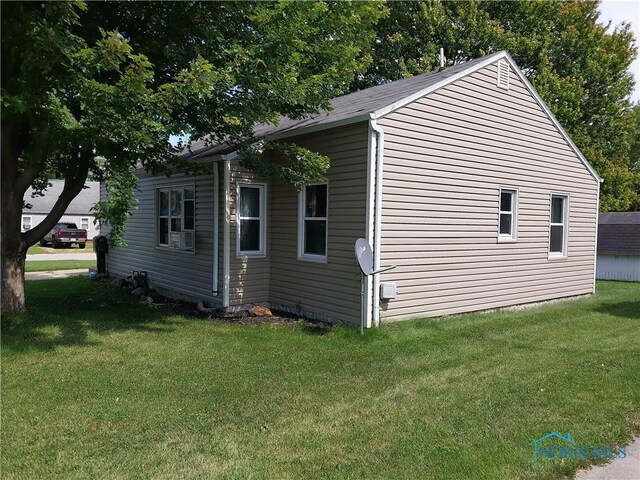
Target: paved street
x: 62, y: 256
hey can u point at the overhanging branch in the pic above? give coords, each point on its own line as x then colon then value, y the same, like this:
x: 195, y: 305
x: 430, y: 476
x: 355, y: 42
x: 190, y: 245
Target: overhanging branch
x: 73, y: 185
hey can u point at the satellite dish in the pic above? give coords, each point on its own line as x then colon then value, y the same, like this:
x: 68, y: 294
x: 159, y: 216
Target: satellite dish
x: 365, y: 258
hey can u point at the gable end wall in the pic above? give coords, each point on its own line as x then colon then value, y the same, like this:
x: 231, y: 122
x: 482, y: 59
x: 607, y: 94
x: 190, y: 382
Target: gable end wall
x: 446, y: 156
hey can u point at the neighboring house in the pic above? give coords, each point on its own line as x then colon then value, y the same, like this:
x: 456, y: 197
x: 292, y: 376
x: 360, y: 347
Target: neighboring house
x: 619, y: 246
x: 79, y: 210
x: 462, y: 178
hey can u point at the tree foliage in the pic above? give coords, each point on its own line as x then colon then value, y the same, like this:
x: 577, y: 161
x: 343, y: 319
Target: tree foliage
x: 117, y: 79
x: 83, y: 82
x: 295, y: 165
x: 578, y: 66
x: 635, y: 157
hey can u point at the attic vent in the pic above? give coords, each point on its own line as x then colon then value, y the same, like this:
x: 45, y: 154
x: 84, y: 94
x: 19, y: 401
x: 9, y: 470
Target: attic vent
x: 503, y: 75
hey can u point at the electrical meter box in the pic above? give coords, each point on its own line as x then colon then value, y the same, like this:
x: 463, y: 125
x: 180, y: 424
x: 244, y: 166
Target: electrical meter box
x: 388, y: 291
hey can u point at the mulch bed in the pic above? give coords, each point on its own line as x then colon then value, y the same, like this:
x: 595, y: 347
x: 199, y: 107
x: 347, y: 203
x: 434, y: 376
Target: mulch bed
x: 189, y: 309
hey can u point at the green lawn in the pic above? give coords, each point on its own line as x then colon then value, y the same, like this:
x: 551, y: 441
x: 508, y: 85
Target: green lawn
x: 95, y: 385
x: 49, y: 265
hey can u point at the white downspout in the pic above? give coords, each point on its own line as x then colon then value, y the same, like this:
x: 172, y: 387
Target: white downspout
x: 595, y: 247
x: 367, y: 292
x: 226, y: 233
x: 216, y: 216
x: 377, y: 221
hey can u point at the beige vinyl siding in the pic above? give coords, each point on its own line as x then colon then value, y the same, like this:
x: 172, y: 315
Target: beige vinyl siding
x: 331, y: 290
x: 187, y: 273
x: 446, y: 157
x: 248, y: 276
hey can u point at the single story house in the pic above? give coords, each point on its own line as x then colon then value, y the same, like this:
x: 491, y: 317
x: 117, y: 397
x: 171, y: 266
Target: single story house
x: 462, y: 178
x: 619, y: 246
x: 78, y: 212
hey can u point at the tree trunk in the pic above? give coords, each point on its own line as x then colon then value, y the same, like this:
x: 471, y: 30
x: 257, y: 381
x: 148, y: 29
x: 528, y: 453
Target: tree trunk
x: 13, y: 184
x: 13, y: 282
x: 14, y: 250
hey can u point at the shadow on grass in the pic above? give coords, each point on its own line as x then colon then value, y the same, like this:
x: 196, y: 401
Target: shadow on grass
x: 63, y: 312
x: 316, y: 328
x: 621, y: 309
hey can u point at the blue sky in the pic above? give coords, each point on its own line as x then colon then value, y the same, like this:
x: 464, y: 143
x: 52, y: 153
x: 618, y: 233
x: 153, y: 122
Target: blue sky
x: 619, y: 11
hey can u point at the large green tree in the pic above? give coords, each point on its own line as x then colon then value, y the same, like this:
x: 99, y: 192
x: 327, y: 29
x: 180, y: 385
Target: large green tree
x: 635, y: 158
x: 578, y: 66
x: 114, y: 80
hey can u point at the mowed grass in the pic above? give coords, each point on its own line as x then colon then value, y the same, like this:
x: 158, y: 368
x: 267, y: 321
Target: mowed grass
x: 95, y: 385
x: 51, y: 265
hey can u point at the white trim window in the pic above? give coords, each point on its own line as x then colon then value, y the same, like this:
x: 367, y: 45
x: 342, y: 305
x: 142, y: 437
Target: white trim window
x: 26, y: 223
x: 176, y: 217
x: 251, y: 219
x: 313, y: 222
x: 508, y: 215
x: 84, y: 223
x: 559, y: 213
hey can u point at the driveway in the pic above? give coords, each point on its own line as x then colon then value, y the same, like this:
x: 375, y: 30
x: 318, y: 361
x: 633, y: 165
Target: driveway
x: 619, y: 469
x: 61, y: 256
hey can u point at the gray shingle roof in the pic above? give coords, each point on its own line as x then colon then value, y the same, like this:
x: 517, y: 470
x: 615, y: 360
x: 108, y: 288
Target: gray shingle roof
x: 619, y: 233
x: 81, y: 205
x: 619, y: 218
x: 348, y: 106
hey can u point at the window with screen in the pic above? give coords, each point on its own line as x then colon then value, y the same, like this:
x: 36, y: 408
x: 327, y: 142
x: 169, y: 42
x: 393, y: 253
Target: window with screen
x: 176, y: 217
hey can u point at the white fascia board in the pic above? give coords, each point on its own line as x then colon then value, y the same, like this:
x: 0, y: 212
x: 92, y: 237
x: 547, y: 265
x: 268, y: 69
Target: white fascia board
x: 425, y: 91
x: 552, y: 117
x: 230, y: 156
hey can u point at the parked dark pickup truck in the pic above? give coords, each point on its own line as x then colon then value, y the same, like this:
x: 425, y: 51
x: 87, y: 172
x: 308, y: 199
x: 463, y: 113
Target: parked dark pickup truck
x: 65, y: 234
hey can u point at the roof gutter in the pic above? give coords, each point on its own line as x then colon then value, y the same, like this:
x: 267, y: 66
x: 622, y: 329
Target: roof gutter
x: 295, y: 131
